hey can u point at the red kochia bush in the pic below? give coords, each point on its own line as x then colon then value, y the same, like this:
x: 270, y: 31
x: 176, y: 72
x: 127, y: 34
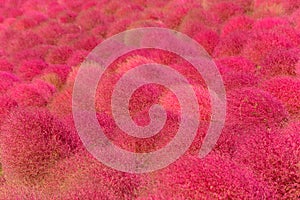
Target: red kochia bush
x: 59, y: 55
x: 208, y: 39
x: 251, y: 108
x: 225, y: 10
x: 297, y: 69
x: 237, y: 23
x: 275, y: 7
x: 83, y: 177
x: 268, y: 23
x: 32, y: 140
x: 6, y: 104
x: 7, y: 80
x: 23, y: 40
x: 5, y: 65
x: 209, y: 178
x: 294, y: 19
x: 12, y: 192
x: 38, y: 52
x: 238, y: 64
x: 50, y: 31
x: 31, y: 68
x: 77, y: 58
x: 280, y: 62
x: 231, y: 44
x: 46, y: 90
x: 67, y: 16
x: 176, y: 10
x: 197, y: 20
x: 274, y: 157
x: 27, y: 95
x: 287, y: 89
x: 89, y: 18
x: 234, y: 80
x: 261, y: 43
x: 61, y: 71
x: 29, y: 20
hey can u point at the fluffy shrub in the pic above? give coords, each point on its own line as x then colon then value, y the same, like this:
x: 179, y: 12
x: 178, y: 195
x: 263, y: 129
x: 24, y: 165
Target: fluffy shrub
x: 261, y: 43
x: 197, y: 20
x: 208, y: 39
x: 62, y: 71
x: 50, y: 31
x: 237, y: 23
x: 59, y: 55
x: 7, y: 81
x: 24, y: 40
x: 208, y: 178
x: 237, y: 64
x: 29, y: 69
x: 32, y: 140
x: 67, y: 16
x: 5, y: 65
x: 252, y: 108
x: 236, y: 80
x: 61, y: 104
x: 175, y: 11
x: 81, y: 176
x: 287, y: 90
x: 231, y: 44
x: 225, y: 10
x: 12, y: 192
x: 26, y: 94
x: 90, y: 18
x: 280, y: 62
x: 29, y: 20
x: 6, y: 105
x: 38, y: 52
x: 268, y: 23
x: 274, y: 7
x: 274, y: 157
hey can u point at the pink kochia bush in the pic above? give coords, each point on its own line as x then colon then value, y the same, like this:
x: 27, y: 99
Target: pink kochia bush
x: 12, y: 192
x: 29, y: 94
x: 237, y: 72
x: 286, y: 89
x: 208, y: 39
x: 262, y: 42
x: 224, y: 11
x: 231, y: 44
x: 275, y: 157
x: 237, y: 23
x: 255, y: 45
x: 29, y: 69
x: 7, y: 81
x: 254, y: 108
x: 6, y: 104
x: 210, y: 178
x: 238, y: 64
x: 280, y: 62
x: 5, y: 65
x: 83, y: 177
x: 32, y: 140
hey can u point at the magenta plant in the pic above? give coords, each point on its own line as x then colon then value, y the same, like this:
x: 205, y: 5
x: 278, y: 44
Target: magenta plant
x: 32, y: 140
x: 254, y: 108
x: 285, y: 89
x: 31, y: 68
x: 7, y: 81
x: 237, y: 23
x: 274, y: 157
x: 255, y: 44
x: 210, y: 178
